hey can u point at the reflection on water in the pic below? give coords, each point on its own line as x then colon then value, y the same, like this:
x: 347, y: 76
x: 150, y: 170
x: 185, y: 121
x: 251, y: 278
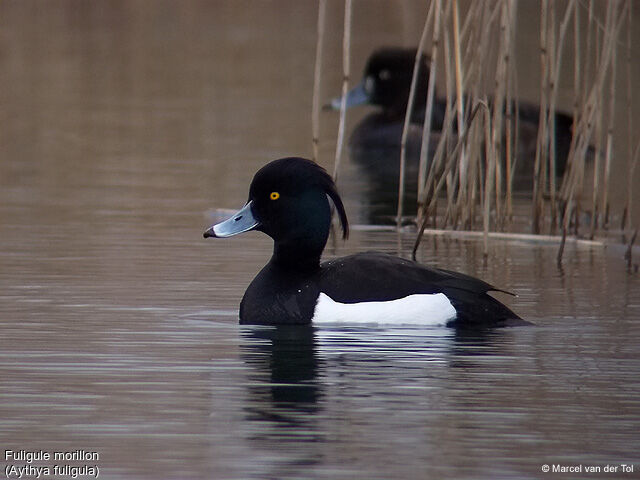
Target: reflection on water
x: 124, y: 123
x: 286, y: 365
x: 284, y: 397
x: 441, y: 404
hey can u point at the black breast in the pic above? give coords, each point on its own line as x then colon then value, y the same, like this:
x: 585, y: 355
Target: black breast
x: 280, y: 296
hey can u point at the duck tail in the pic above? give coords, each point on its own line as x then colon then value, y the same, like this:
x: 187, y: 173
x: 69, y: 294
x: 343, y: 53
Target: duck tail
x: 486, y: 311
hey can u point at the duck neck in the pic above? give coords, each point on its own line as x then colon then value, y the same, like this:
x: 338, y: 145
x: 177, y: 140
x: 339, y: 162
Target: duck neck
x: 300, y: 254
x: 300, y: 240
x: 398, y: 109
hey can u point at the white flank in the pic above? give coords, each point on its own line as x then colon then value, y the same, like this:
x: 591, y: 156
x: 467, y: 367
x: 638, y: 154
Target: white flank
x: 419, y: 309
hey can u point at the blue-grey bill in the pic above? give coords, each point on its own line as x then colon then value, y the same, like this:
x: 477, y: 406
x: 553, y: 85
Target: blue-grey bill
x: 241, y: 221
x: 355, y: 96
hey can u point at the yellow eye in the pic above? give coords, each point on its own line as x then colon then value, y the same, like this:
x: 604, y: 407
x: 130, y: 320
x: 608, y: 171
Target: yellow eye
x: 274, y: 196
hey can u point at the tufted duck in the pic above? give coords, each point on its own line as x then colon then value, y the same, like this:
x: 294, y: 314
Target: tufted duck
x: 289, y: 201
x: 385, y: 84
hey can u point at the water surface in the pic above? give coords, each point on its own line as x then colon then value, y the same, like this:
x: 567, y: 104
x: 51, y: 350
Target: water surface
x: 125, y: 126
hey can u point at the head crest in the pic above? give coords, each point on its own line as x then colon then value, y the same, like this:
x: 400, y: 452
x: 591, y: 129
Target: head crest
x: 332, y: 191
x: 305, y: 173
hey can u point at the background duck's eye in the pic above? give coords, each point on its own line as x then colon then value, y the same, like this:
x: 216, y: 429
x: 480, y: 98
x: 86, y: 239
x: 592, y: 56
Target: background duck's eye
x: 274, y: 196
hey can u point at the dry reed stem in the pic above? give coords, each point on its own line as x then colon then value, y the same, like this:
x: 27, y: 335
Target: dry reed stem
x: 609, y: 148
x: 474, y: 173
x: 449, y: 162
x: 583, y: 110
x: 627, y: 215
x: 596, y: 176
x: 407, y: 116
x: 426, y: 129
x: 469, y: 42
x: 577, y: 71
x: 553, y: 92
x: 450, y: 108
x: 631, y: 172
x: 516, y: 122
x: 315, y: 109
x: 555, y: 52
x: 577, y: 97
x: 490, y: 156
x: 438, y: 163
x: 470, y: 22
x: 462, y: 162
x: 587, y: 68
x: 477, y: 72
x: 500, y: 94
x: 561, y: 248
x: 542, y: 142
x: 346, y: 49
x: 508, y: 119
x: 573, y: 181
x: 576, y: 61
x: 469, y: 36
x: 628, y: 254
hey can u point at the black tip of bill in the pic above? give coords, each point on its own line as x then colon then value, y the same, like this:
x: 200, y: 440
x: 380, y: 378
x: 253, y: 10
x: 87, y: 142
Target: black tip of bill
x: 242, y: 221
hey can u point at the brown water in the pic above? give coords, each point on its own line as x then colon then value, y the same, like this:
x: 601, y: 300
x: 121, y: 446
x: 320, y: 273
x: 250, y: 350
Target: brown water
x: 123, y: 125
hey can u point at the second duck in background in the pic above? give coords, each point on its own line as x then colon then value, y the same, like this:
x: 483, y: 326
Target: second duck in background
x: 374, y: 144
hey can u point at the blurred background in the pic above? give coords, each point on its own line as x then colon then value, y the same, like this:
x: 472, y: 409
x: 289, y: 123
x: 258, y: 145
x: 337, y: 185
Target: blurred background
x: 153, y: 105
x: 126, y: 125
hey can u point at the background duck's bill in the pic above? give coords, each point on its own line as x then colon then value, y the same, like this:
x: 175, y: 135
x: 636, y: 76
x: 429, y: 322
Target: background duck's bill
x: 355, y: 96
x: 240, y: 222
